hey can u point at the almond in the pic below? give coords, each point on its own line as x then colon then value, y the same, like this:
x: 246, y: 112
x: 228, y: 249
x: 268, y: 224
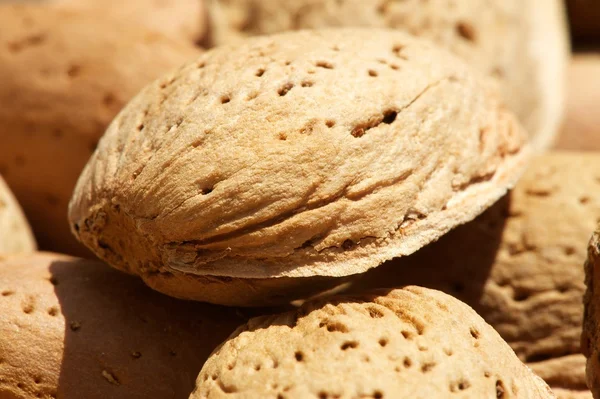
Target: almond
x: 73, y: 328
x: 405, y: 343
x: 65, y: 75
x: 522, y: 44
x: 266, y: 161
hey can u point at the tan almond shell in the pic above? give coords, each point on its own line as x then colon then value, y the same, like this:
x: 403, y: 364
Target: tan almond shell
x: 242, y: 292
x: 15, y: 233
x: 73, y: 328
x: 581, y: 128
x: 523, y: 44
x: 520, y: 264
x: 267, y: 160
x: 181, y: 19
x: 590, y: 337
x: 65, y: 75
x: 404, y: 343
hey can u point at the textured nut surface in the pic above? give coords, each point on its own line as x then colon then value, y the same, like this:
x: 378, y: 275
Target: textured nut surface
x: 270, y: 160
x: 406, y: 343
x: 15, y: 233
x: 71, y: 328
x: 581, y: 129
x: 520, y: 264
x: 590, y: 337
x: 181, y: 19
x: 64, y: 77
x: 521, y: 43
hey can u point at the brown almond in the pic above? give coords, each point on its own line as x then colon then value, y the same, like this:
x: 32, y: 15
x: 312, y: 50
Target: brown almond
x: 266, y: 161
x: 73, y: 328
x: 64, y: 77
x: 520, y: 265
x: 523, y: 44
x: 407, y: 343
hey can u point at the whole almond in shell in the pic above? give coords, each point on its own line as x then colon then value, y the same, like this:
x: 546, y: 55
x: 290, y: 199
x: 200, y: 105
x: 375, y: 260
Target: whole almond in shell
x: 72, y: 328
x: 407, y: 343
x: 522, y: 44
x: 64, y: 77
x: 266, y: 161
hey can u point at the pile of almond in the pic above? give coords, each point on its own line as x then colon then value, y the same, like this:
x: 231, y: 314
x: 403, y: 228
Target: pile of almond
x: 281, y: 199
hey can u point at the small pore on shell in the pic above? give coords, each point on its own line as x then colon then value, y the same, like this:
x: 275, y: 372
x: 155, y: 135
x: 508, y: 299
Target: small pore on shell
x: 397, y: 50
x: 466, y: 31
x: 460, y: 385
x: 500, y: 390
x: 206, y: 190
x: 283, y: 90
x: 428, y: 366
x: 388, y: 117
x: 349, y: 345
x: 334, y: 326
x: 375, y: 313
x: 324, y: 64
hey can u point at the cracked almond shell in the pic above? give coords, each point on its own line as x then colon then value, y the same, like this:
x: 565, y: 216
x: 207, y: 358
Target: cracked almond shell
x: 15, y: 233
x: 519, y: 265
x: 65, y: 75
x: 305, y: 154
x: 406, y: 343
x: 522, y: 44
x: 74, y: 328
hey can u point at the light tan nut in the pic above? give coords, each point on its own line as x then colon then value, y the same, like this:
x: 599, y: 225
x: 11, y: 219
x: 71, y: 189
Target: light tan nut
x: 72, y: 328
x: 523, y: 44
x: 65, y: 75
x: 267, y: 161
x: 405, y: 343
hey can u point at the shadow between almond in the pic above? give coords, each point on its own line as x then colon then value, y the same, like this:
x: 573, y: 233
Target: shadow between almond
x: 123, y: 340
x: 459, y: 263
